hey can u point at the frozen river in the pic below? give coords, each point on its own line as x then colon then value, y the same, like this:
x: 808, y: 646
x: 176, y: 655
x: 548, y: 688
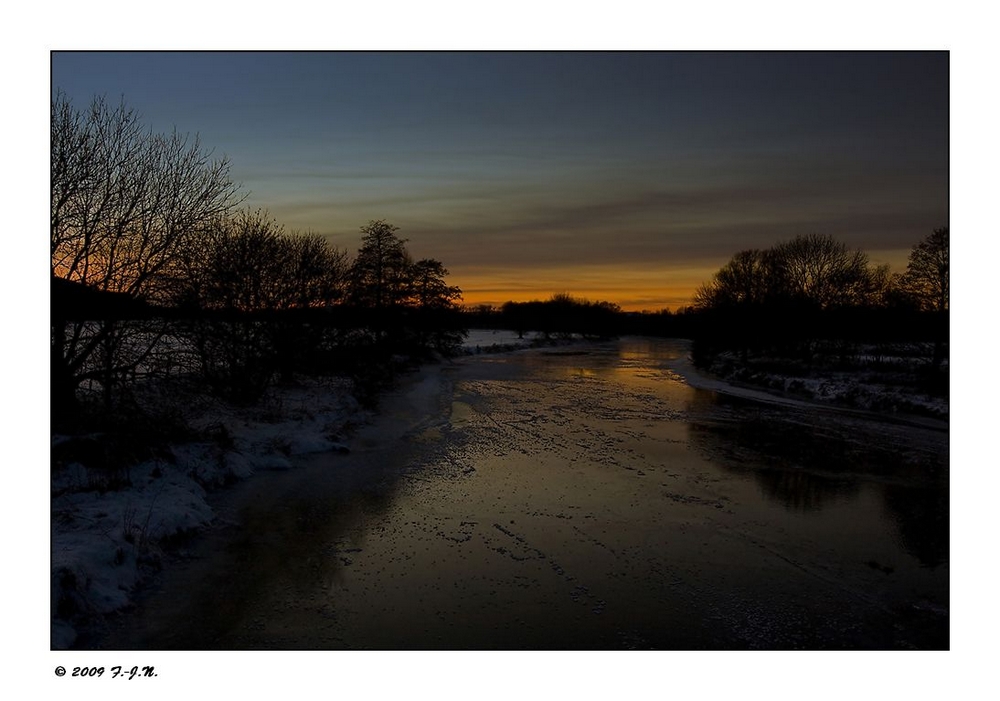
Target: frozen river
x: 583, y: 497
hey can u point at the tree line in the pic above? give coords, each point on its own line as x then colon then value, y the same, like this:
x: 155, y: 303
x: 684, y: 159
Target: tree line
x: 820, y: 273
x: 558, y: 317
x: 787, y: 300
x: 158, y: 267
x: 807, y: 296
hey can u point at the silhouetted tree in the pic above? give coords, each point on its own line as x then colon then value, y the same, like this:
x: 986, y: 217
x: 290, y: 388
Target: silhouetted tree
x: 439, y: 325
x: 124, y: 200
x: 406, y: 310
x: 240, y: 273
x: 125, y: 203
x: 807, y: 272
x: 821, y: 272
x: 927, y: 281
x: 255, y: 277
x: 883, y: 287
x: 317, y: 272
x: 738, y: 294
x: 429, y: 290
x: 745, y: 280
x: 380, y: 274
x: 927, y: 271
x: 246, y: 262
x: 563, y: 315
x: 788, y: 297
x: 245, y: 269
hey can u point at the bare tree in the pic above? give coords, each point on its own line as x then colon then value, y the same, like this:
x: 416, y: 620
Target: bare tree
x: 250, y: 277
x: 927, y: 273
x: 239, y: 274
x: 744, y: 280
x: 883, y: 287
x: 244, y: 269
x: 125, y: 203
x: 821, y: 271
x: 317, y: 272
x: 817, y: 271
x: 784, y: 297
x: 247, y: 263
x: 927, y: 281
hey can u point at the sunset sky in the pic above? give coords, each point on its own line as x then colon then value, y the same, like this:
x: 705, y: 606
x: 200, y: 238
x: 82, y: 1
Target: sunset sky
x: 629, y: 177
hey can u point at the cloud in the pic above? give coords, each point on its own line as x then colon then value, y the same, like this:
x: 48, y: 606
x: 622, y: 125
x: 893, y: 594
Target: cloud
x: 685, y: 225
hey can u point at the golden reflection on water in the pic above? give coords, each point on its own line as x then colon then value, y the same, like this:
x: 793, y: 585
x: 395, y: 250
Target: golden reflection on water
x: 601, y: 493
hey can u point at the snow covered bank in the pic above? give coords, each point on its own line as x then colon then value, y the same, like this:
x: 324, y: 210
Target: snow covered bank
x: 106, y: 538
x: 865, y: 390
x: 503, y: 341
x: 495, y: 341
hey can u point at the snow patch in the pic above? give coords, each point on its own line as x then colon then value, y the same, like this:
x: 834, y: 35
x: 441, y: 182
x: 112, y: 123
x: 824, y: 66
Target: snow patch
x: 853, y: 389
x: 494, y: 341
x: 106, y: 541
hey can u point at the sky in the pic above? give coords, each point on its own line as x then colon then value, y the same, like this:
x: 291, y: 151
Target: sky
x: 629, y: 176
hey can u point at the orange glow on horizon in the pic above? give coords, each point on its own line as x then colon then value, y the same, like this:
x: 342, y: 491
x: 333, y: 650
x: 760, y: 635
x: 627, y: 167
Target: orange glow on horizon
x: 651, y: 300
x: 633, y: 288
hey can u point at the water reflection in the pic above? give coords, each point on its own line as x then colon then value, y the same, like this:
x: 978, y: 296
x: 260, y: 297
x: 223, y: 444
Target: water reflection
x: 803, y: 491
x: 803, y: 459
x: 809, y: 460
x: 800, y: 470
x: 921, y: 517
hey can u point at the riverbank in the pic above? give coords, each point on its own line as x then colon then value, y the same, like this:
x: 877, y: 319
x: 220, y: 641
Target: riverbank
x: 111, y: 528
x: 857, y: 392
